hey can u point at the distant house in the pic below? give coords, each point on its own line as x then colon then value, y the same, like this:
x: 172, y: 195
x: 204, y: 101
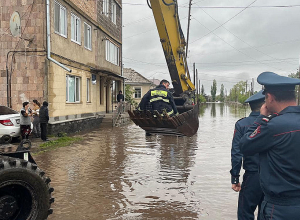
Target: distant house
x: 155, y: 81
x: 139, y: 83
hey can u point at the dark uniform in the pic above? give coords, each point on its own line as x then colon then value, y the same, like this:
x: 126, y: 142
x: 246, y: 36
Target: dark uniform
x: 277, y: 140
x: 251, y: 194
x: 160, y: 99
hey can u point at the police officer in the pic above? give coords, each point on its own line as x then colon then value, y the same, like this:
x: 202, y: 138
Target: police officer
x: 250, y: 193
x: 275, y: 135
x: 160, y: 99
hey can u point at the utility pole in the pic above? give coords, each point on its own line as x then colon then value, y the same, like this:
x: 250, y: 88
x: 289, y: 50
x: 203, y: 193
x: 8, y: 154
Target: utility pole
x: 194, y: 70
x: 298, y: 85
x: 188, y: 30
x: 252, y: 86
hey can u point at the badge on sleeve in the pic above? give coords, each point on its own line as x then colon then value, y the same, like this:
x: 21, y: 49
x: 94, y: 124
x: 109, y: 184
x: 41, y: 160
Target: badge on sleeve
x: 257, y: 131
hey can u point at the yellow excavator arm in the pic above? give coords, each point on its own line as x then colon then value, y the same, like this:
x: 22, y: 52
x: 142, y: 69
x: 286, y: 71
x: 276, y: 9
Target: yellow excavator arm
x: 172, y: 39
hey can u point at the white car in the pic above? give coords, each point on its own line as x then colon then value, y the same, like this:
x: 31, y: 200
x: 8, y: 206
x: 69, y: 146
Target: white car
x: 9, y: 124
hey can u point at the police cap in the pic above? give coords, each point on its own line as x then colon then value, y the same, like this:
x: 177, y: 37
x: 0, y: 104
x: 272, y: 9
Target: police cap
x: 256, y: 97
x: 274, y: 82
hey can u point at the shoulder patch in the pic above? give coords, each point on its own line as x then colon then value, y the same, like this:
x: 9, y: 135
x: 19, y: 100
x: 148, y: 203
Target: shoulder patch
x: 256, y: 132
x: 273, y: 116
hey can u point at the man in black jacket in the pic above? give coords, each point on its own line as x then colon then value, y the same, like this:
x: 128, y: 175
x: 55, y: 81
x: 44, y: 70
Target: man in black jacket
x: 160, y: 99
x: 44, y: 118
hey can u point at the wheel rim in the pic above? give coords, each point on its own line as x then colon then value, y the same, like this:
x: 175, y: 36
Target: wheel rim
x: 22, y: 198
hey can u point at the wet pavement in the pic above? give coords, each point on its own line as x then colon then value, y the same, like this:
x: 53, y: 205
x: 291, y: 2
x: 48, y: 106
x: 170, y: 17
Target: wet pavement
x: 119, y: 173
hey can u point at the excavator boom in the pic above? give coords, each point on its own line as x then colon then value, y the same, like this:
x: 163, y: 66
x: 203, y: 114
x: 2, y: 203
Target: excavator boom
x: 173, y: 43
x: 165, y: 13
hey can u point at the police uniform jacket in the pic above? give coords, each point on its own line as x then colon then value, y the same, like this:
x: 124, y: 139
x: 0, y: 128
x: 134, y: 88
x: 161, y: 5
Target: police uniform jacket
x: 160, y: 98
x: 277, y: 140
x: 250, y: 163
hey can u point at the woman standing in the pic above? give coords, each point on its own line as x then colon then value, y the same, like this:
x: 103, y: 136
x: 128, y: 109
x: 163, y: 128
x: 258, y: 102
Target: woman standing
x: 36, y: 119
x: 25, y: 122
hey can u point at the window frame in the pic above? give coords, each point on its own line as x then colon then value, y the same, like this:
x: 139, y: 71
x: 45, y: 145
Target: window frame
x: 114, y: 12
x: 135, y: 94
x: 77, y: 81
x: 112, y: 53
x: 60, y: 32
x: 105, y: 7
x: 86, y: 26
x: 88, y: 89
x: 77, y: 31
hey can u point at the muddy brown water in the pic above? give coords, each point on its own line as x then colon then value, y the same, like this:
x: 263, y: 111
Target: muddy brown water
x: 119, y: 173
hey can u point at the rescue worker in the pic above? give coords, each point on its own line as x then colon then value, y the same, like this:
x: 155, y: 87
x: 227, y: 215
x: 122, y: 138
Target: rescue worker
x: 160, y: 99
x: 250, y: 193
x: 275, y: 135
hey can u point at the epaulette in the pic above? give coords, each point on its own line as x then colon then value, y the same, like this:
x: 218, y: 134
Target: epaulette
x: 269, y: 117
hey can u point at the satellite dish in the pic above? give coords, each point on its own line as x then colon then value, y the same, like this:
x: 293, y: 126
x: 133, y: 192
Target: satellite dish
x: 15, y: 24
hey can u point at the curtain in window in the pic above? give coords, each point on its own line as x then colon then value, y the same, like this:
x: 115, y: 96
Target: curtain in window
x: 63, y: 21
x: 71, y: 85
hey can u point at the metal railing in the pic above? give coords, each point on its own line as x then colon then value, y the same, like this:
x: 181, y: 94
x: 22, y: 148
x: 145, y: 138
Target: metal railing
x: 122, y: 107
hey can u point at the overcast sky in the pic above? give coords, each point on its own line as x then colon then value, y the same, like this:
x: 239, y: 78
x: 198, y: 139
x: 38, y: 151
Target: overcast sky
x: 230, y: 40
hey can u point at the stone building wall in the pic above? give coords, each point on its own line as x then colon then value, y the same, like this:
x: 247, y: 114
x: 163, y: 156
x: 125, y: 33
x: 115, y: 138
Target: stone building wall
x: 106, y: 22
x: 27, y: 68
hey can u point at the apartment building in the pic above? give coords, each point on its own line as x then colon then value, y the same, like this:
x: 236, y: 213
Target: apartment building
x: 67, y: 52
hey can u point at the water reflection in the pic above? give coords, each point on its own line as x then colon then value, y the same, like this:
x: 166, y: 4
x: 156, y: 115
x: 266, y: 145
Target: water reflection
x: 213, y: 110
x: 122, y: 174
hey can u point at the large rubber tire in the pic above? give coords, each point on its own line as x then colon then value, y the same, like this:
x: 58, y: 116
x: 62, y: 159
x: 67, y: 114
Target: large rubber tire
x: 25, y: 192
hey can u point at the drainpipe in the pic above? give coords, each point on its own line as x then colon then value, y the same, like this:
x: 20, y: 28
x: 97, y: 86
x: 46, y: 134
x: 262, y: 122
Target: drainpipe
x: 48, y: 40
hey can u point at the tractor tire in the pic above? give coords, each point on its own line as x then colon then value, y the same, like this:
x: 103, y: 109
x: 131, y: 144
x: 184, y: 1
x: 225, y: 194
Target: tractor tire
x: 25, y: 192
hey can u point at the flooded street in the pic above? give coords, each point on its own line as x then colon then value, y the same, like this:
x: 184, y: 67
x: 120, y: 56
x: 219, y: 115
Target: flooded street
x: 119, y: 173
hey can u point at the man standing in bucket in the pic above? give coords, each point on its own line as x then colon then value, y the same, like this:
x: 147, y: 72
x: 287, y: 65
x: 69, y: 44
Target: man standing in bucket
x: 275, y: 135
x: 160, y: 99
x: 250, y: 192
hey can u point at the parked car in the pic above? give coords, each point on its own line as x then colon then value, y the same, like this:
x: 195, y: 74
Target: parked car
x: 9, y: 124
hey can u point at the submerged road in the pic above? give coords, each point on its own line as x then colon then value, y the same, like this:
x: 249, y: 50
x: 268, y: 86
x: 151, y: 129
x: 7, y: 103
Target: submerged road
x: 119, y: 173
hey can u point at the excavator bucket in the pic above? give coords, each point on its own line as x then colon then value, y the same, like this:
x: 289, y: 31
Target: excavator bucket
x: 184, y: 124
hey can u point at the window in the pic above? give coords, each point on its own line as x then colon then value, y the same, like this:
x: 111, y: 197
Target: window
x: 75, y: 29
x: 106, y: 7
x: 88, y: 90
x: 60, y: 19
x: 112, y: 53
x: 137, y: 93
x: 114, y: 12
x: 72, y: 88
x: 87, y: 36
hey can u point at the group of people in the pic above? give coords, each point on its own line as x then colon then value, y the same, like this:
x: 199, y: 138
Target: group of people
x: 40, y: 118
x: 266, y: 143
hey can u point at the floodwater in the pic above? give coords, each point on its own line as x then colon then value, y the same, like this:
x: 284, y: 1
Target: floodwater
x: 119, y: 173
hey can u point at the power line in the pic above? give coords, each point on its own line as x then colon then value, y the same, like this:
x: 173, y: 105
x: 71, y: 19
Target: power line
x: 224, y: 22
x: 237, y: 36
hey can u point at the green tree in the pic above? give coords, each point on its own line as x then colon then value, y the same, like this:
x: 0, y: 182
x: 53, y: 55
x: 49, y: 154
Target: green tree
x: 202, y: 90
x: 201, y: 99
x: 213, y: 90
x: 222, y: 96
x: 129, y: 95
x: 238, y: 93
